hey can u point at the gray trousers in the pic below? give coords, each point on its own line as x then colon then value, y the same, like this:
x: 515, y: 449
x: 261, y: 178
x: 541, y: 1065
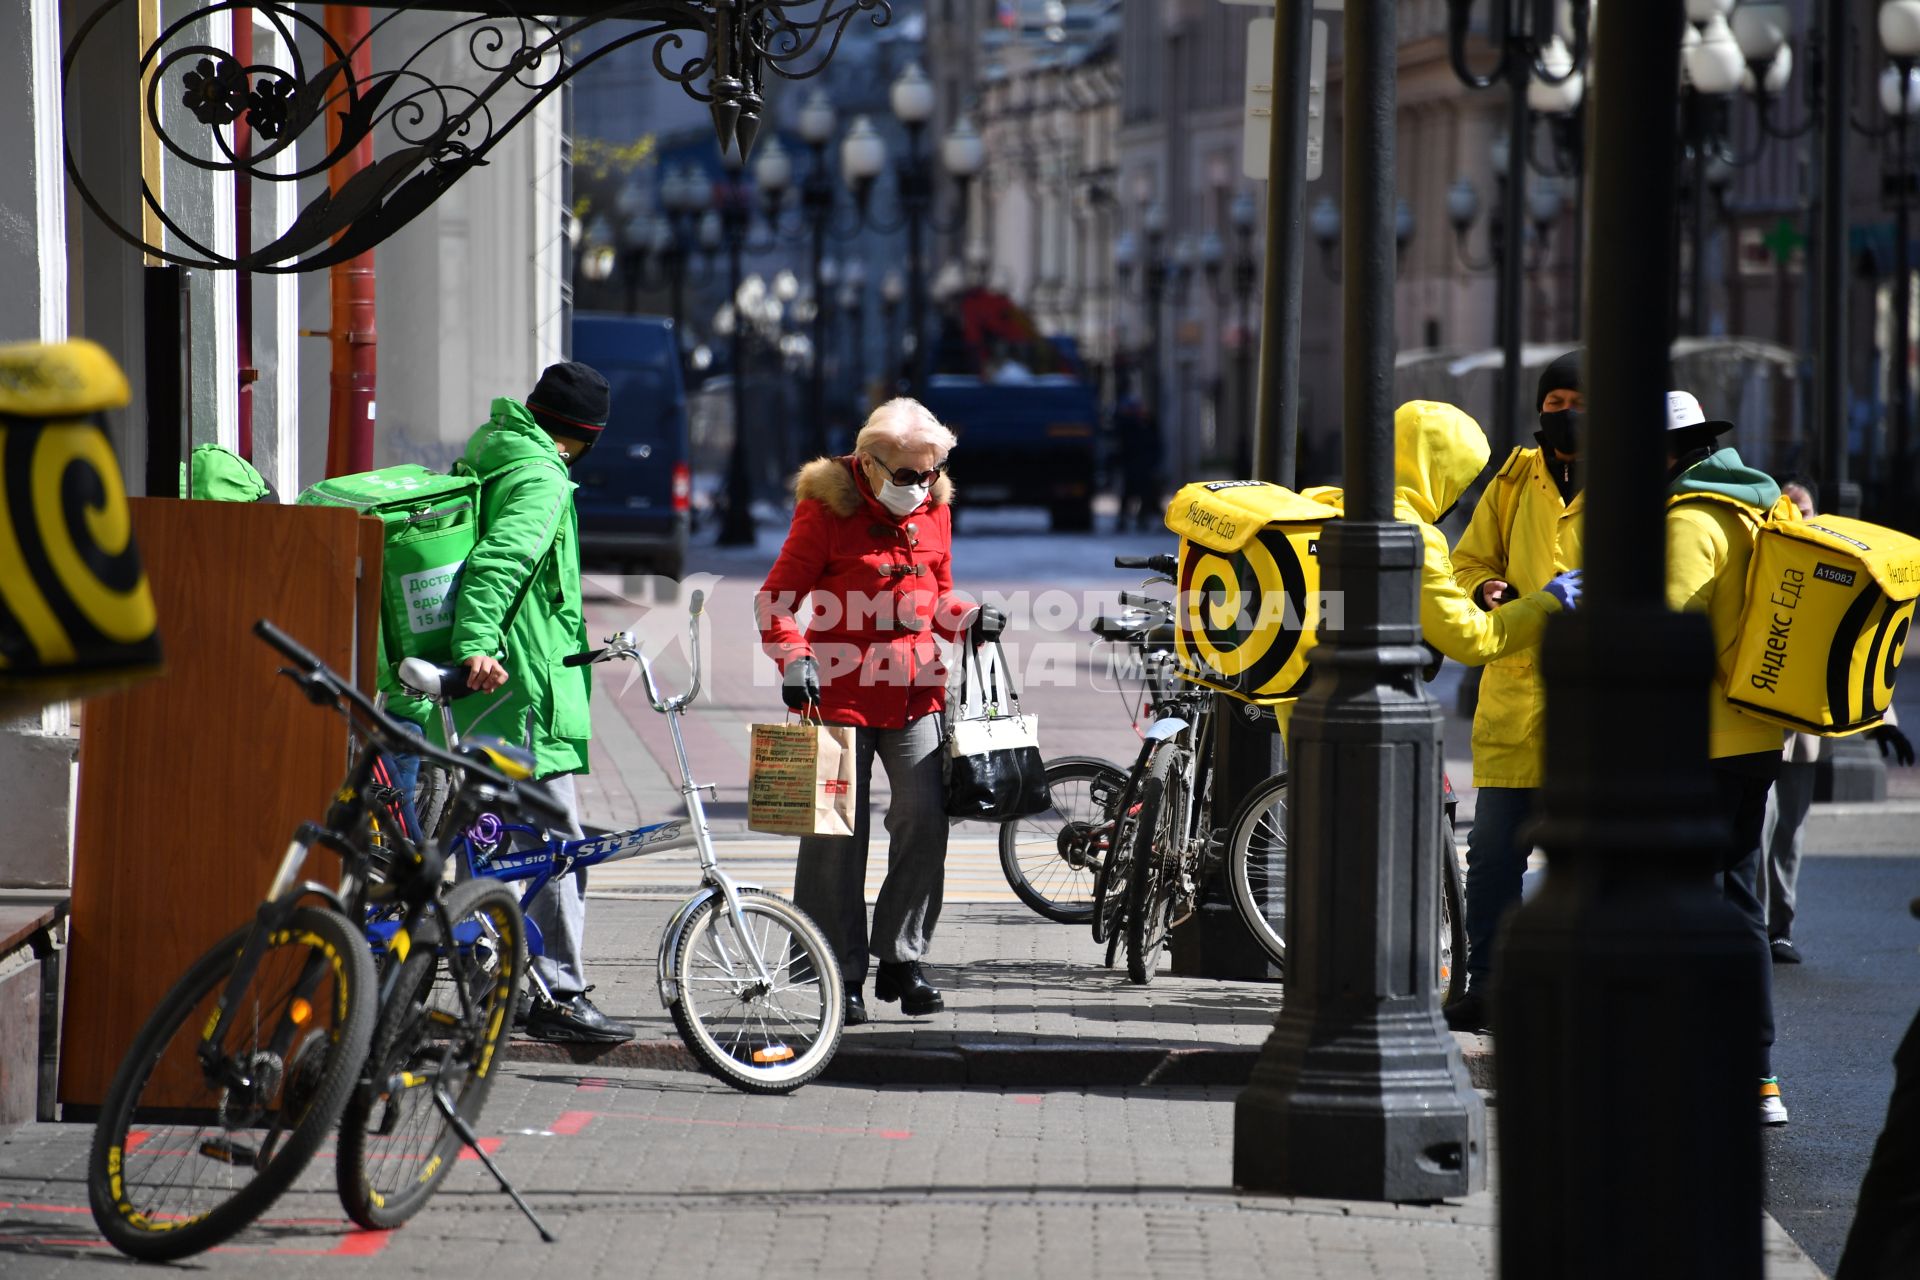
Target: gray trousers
x: 1784, y: 839
x: 560, y: 909
x: 830, y: 882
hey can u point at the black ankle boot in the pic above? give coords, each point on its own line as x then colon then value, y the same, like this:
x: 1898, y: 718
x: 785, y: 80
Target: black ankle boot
x: 856, y: 1008
x: 902, y: 980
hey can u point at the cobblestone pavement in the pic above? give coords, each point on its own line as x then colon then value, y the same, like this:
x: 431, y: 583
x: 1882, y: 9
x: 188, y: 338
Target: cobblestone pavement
x: 671, y: 1174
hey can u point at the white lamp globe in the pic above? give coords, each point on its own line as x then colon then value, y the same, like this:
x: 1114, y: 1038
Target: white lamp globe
x: 892, y: 288
x: 1715, y: 63
x: 817, y: 120
x: 1463, y: 204
x: 1779, y: 73
x: 773, y: 169
x: 1890, y: 102
x: 1900, y: 28
x: 911, y: 96
x: 862, y: 153
x: 1760, y: 30
x: 963, y: 151
x: 1324, y: 221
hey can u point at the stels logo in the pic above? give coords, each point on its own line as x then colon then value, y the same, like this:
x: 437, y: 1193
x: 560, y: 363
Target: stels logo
x: 1834, y: 573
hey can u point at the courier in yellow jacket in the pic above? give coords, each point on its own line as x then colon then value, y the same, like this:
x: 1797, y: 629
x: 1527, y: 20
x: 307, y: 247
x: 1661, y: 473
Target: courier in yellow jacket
x: 1715, y: 506
x: 1438, y: 452
x: 1523, y: 535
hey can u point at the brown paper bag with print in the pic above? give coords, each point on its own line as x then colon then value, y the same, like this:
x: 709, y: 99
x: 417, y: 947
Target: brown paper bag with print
x: 800, y: 779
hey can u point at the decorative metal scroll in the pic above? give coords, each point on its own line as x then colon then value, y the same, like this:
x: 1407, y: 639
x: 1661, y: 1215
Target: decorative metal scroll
x: 196, y: 93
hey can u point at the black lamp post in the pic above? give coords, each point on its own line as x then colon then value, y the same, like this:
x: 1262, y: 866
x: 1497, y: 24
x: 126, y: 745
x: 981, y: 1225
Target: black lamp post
x: 853, y: 305
x: 1241, y: 217
x: 863, y: 158
x: 1533, y: 50
x: 1360, y: 1091
x: 1544, y: 205
x: 733, y: 204
x: 1157, y: 270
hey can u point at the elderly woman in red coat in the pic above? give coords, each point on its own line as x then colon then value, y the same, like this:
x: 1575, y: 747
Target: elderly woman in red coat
x: 871, y: 544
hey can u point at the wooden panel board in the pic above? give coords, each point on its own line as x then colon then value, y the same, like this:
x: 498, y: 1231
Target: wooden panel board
x: 192, y: 783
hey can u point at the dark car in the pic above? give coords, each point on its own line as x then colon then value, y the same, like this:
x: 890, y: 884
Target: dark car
x: 1024, y: 443
x: 635, y: 487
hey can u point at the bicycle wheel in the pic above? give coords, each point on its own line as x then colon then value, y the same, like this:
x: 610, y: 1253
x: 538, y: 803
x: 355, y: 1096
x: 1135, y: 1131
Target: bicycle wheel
x: 1452, y: 982
x: 758, y: 1037
x: 1052, y: 858
x: 1112, y: 878
x: 180, y: 1160
x: 1164, y: 797
x: 1257, y: 865
x: 442, y: 1028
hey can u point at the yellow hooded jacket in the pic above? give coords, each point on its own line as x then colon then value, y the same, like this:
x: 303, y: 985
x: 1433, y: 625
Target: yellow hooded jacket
x: 1439, y: 451
x: 1524, y: 534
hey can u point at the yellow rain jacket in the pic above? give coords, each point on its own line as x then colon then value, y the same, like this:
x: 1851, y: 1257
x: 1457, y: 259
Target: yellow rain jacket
x: 1714, y: 512
x: 1439, y: 451
x: 1524, y: 534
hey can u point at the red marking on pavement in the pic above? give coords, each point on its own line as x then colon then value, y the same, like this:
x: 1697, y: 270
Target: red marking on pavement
x: 363, y: 1244
x: 1028, y: 1099
x: 572, y: 1122
x: 893, y: 1135
x: 489, y: 1145
x: 593, y: 1084
x: 135, y: 1139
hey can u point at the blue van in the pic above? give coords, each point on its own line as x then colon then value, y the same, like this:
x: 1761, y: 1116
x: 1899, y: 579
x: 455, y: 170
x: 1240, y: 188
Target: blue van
x: 636, y: 487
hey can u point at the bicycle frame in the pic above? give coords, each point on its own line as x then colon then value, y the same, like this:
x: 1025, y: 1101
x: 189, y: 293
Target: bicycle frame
x: 552, y: 857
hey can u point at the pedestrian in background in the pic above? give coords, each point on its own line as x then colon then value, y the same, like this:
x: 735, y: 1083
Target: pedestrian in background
x: 1715, y: 507
x: 871, y: 543
x: 1524, y: 534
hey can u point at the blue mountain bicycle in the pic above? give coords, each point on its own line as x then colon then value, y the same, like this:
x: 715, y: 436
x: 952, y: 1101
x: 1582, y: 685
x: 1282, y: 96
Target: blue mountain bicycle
x: 748, y: 977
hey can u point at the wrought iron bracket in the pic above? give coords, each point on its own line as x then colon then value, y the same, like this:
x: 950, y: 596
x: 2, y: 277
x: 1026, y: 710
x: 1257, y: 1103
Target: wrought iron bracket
x: 431, y: 132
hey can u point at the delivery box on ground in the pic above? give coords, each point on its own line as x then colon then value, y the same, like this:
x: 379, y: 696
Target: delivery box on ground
x: 1829, y: 605
x: 1248, y: 586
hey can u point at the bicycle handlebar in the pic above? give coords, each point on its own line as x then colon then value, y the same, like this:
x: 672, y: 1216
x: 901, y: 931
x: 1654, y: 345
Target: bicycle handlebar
x: 1153, y: 604
x: 583, y: 659
x: 314, y: 673
x: 623, y: 645
x: 1162, y: 564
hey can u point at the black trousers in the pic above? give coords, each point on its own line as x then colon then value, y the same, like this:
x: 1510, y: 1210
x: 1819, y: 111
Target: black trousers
x: 1884, y: 1243
x: 1741, y: 784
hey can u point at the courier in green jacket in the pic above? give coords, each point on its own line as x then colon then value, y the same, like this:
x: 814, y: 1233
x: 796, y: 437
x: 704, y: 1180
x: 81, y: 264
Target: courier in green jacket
x: 1715, y: 506
x: 528, y: 558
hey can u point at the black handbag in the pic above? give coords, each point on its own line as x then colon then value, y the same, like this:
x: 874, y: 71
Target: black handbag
x: 992, y: 752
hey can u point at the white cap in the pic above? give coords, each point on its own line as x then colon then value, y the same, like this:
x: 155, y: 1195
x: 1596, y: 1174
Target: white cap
x: 1683, y: 412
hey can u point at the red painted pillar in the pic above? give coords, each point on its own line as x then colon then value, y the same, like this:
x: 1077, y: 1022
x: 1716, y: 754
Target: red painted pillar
x: 350, y: 410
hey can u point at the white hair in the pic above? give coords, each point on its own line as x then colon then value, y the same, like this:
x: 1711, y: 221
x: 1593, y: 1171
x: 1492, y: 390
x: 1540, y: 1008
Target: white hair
x: 903, y: 424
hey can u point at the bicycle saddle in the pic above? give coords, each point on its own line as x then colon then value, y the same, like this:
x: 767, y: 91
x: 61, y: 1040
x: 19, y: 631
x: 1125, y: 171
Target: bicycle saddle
x: 432, y: 681
x: 496, y: 753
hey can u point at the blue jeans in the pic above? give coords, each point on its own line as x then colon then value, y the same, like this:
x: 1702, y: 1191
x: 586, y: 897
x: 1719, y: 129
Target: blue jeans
x: 1496, y: 860
x: 406, y: 768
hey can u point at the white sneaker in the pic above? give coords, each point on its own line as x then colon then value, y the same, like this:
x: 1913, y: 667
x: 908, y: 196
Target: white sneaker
x: 1772, y: 1109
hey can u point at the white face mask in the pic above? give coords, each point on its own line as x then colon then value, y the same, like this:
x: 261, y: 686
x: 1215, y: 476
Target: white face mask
x: 902, y: 499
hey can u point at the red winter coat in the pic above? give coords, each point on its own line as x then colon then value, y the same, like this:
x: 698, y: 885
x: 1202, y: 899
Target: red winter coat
x: 882, y: 588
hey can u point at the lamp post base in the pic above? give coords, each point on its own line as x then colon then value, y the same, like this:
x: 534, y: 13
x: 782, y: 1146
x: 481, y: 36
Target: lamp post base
x: 1361, y: 1092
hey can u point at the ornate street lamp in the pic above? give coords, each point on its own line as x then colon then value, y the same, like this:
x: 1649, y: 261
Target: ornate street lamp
x: 1324, y: 223
x: 1541, y: 46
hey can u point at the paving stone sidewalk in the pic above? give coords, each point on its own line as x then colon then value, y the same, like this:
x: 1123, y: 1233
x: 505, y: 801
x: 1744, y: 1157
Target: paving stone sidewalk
x: 673, y: 1174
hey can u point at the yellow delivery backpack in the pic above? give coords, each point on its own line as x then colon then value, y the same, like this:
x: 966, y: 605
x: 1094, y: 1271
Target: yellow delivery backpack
x: 1249, y: 586
x: 1829, y: 605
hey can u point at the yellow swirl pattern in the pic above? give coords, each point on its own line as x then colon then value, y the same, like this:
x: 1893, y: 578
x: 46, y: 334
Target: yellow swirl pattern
x: 123, y: 616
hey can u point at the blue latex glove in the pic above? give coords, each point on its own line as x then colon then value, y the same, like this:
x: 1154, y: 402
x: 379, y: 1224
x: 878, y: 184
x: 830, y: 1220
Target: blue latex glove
x: 1566, y: 589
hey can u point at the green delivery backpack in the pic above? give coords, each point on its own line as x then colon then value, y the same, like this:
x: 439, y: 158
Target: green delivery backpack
x: 432, y: 523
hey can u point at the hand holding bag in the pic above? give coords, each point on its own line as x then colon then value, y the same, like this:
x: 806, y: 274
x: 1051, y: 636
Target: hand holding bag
x: 993, y: 765
x: 800, y: 779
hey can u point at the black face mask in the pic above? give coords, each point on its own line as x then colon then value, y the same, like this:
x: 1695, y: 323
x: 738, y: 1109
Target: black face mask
x: 1562, y: 428
x: 579, y: 447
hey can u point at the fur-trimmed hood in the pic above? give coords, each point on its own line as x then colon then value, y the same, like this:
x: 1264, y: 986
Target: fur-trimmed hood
x: 832, y: 481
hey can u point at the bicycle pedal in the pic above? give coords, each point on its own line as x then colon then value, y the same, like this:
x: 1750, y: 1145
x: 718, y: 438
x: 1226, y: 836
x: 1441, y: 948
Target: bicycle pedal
x: 229, y: 1151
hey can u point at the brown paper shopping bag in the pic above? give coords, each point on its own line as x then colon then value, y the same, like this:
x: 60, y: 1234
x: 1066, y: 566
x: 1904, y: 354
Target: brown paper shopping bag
x: 800, y: 779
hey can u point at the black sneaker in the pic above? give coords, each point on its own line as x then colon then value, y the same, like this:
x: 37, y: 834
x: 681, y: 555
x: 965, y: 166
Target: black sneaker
x: 575, y: 1020
x: 1784, y: 952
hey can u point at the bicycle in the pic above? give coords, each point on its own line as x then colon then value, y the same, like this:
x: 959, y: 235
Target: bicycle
x: 235, y: 1079
x: 1052, y: 860
x: 750, y: 982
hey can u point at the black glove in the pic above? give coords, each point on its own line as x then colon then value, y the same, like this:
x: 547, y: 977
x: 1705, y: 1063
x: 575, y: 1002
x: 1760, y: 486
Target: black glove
x: 800, y: 687
x: 988, y: 623
x: 1893, y: 743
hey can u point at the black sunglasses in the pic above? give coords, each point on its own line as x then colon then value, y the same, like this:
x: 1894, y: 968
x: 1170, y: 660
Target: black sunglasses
x: 904, y: 476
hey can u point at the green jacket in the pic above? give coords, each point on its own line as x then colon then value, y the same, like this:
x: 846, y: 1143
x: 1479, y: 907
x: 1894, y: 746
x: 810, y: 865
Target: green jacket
x: 528, y: 527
